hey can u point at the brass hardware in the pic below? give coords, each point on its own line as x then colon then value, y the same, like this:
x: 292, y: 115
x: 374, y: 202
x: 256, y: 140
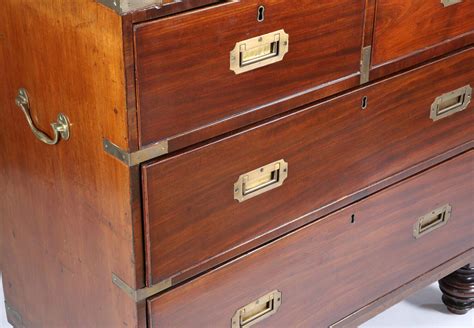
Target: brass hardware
x: 447, y: 3
x: 261, y: 180
x: 432, y: 221
x: 259, y: 51
x: 353, y: 218
x: 257, y: 311
x: 365, y: 64
x: 261, y: 14
x: 451, y: 103
x: 137, y: 157
x: 365, y: 102
x: 60, y: 128
x: 122, y: 7
x: 143, y: 293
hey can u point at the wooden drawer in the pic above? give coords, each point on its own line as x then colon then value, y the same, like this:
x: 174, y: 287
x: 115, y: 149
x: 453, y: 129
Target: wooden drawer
x: 184, y: 78
x: 410, y: 31
x: 331, y: 268
x: 336, y: 153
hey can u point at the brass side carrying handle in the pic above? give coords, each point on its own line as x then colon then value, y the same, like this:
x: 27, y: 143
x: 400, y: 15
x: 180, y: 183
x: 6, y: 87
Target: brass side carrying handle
x: 60, y: 128
x: 450, y: 103
x: 447, y: 3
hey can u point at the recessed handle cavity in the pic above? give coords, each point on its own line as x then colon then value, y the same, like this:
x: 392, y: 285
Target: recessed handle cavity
x: 259, y: 51
x: 447, y: 3
x: 451, y: 103
x: 432, y: 221
x: 257, y: 311
x: 60, y: 128
x: 261, y: 180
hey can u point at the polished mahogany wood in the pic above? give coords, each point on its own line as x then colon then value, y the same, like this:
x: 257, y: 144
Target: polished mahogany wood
x: 183, y: 78
x: 168, y: 7
x: 370, y: 7
x: 407, y: 32
x: 71, y: 215
x: 65, y: 214
x: 311, y: 266
x: 379, y: 305
x: 458, y: 290
x: 234, y: 123
x: 335, y: 151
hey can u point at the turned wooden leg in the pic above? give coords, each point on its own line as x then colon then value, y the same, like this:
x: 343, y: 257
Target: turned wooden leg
x: 458, y: 290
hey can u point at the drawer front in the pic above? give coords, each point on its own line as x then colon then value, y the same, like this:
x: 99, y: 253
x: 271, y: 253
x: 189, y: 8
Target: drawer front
x: 405, y: 28
x: 183, y: 63
x: 332, y: 152
x: 334, y: 266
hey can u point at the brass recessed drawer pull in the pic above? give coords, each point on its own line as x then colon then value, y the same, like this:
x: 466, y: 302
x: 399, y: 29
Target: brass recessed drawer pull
x: 261, y: 180
x: 259, y: 51
x: 257, y: 311
x: 447, y: 3
x: 451, y: 103
x: 60, y: 128
x: 432, y: 221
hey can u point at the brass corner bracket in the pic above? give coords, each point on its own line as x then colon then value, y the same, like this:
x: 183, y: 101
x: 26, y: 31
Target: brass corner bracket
x: 137, y: 157
x: 365, y: 63
x: 143, y: 293
x: 447, y: 3
x: 123, y: 7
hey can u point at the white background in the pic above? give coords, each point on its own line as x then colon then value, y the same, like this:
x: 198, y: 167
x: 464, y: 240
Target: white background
x: 423, y: 309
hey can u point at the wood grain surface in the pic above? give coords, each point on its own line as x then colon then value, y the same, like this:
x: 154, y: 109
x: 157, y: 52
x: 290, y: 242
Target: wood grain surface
x: 412, y: 28
x: 333, y: 267
x: 182, y: 62
x: 169, y: 7
x: 370, y: 10
x: 386, y: 301
x: 334, y: 150
x: 65, y: 222
x: 70, y: 215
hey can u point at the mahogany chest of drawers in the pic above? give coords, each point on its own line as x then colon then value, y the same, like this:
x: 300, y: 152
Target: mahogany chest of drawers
x: 230, y: 163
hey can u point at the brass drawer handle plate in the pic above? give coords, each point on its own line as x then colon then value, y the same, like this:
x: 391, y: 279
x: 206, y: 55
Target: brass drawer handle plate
x: 261, y: 180
x: 451, y: 103
x: 259, y: 51
x: 432, y: 221
x: 257, y: 311
x: 60, y: 128
x: 447, y: 3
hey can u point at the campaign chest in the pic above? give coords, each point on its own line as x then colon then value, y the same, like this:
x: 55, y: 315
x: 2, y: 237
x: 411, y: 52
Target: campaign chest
x: 206, y: 163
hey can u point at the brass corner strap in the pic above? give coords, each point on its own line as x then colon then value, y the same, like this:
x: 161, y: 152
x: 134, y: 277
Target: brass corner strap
x: 137, y: 157
x: 143, y: 293
x: 123, y: 7
x: 365, y: 64
x: 448, y: 3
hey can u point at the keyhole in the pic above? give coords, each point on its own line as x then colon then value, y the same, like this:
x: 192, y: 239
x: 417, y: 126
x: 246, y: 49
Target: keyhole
x: 353, y: 218
x: 261, y: 14
x: 365, y: 102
